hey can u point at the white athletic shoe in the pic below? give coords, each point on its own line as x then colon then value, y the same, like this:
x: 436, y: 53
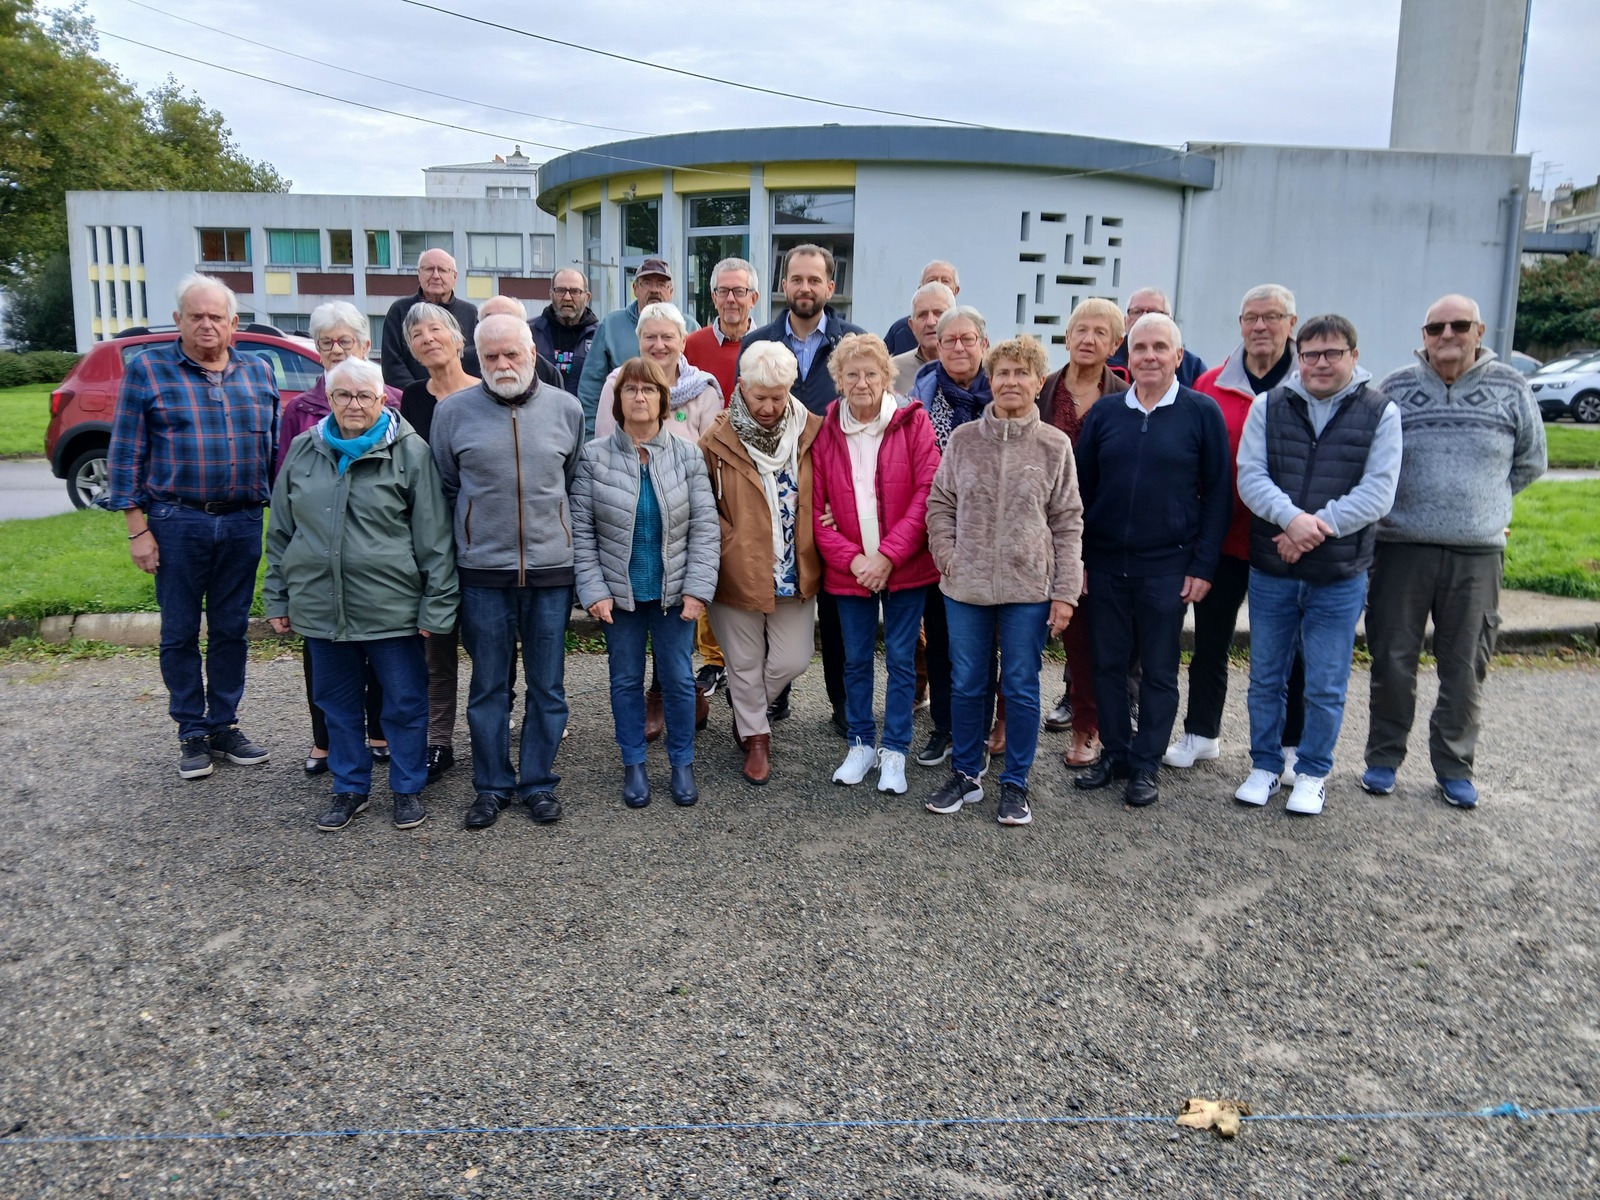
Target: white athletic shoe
x: 1260, y: 787
x: 1190, y: 749
x: 1306, y: 799
x: 892, y: 772
x: 1291, y: 755
x: 856, y: 764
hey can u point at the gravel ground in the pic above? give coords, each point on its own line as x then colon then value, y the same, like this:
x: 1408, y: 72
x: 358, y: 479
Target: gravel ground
x: 196, y: 957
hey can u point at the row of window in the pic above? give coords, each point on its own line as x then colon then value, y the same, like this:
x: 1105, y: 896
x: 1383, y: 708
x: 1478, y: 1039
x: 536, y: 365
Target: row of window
x: 304, y: 248
x: 105, y: 240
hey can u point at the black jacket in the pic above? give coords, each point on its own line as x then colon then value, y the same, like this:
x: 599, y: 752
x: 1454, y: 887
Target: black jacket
x: 400, y: 370
x: 564, y: 346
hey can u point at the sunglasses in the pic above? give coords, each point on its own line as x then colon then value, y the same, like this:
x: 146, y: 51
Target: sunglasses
x: 1435, y: 328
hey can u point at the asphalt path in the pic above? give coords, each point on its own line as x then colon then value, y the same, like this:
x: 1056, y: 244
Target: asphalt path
x: 29, y: 489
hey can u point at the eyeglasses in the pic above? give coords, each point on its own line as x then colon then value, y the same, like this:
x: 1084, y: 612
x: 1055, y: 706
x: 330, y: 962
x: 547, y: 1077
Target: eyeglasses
x: 345, y: 343
x: 1436, y: 328
x: 965, y: 340
x: 728, y: 293
x: 1271, y: 318
x: 1135, y: 313
x: 567, y: 291
x: 342, y: 397
x: 1328, y: 356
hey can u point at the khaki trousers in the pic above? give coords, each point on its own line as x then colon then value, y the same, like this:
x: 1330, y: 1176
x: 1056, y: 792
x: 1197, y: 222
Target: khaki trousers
x: 763, y: 653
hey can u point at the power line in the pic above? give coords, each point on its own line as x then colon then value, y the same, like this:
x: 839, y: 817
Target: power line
x: 639, y: 62
x: 378, y: 78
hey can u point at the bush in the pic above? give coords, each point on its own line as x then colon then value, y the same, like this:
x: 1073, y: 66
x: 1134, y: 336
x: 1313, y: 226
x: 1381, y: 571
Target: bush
x: 37, y: 366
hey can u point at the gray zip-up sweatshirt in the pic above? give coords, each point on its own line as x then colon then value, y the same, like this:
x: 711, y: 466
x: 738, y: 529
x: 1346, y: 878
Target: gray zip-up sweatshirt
x: 505, y: 467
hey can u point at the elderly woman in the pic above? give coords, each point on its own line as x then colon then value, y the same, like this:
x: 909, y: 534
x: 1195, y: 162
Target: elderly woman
x: 696, y: 395
x: 361, y: 564
x: 1094, y: 331
x: 759, y: 455
x: 1005, y: 526
x: 340, y: 331
x: 872, y: 465
x: 436, y: 342
x: 645, y: 546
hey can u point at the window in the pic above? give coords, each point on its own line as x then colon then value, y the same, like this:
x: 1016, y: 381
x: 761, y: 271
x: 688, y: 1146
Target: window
x: 225, y: 246
x: 591, y: 244
x: 127, y: 297
x: 144, y: 299
x: 494, y: 252
x: 377, y: 247
x: 124, y: 232
x: 341, y: 248
x: 292, y: 372
x: 822, y: 218
x: 291, y: 322
x: 641, y: 228
x: 94, y: 244
x: 294, y: 248
x: 508, y: 193
x: 138, y: 236
x: 414, y: 245
x: 718, y: 228
x: 541, y: 252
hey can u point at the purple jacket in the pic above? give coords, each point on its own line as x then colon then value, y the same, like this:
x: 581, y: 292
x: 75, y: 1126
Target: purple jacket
x: 309, y: 407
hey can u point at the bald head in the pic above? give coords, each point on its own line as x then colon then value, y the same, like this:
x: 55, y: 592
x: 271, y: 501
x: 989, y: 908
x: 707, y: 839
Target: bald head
x: 1452, y: 336
x: 939, y: 271
x: 503, y: 306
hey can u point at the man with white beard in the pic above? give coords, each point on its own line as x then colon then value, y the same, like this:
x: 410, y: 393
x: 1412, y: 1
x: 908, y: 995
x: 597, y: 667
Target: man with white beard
x: 506, y: 451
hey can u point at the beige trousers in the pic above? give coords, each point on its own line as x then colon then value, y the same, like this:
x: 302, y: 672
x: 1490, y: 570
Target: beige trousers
x: 763, y: 653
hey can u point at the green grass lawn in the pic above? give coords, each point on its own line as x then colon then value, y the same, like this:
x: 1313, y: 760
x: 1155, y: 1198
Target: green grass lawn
x: 24, y: 413
x: 1573, y: 445
x: 1555, y: 540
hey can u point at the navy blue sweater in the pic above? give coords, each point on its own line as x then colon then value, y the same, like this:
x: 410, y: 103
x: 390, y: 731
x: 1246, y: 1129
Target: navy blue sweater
x: 1157, y: 492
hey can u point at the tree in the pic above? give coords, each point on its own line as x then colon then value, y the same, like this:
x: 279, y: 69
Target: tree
x: 196, y: 148
x: 39, y: 308
x: 1558, y: 307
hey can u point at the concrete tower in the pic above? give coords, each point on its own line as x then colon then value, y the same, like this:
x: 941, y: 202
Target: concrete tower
x: 1458, y: 75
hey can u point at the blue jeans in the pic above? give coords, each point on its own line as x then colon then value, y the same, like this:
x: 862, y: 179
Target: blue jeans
x: 1319, y: 620
x: 492, y: 622
x: 339, y: 685
x: 208, y: 564
x: 1020, y: 630
x: 1143, y: 615
x: 858, y: 625
x: 673, y: 640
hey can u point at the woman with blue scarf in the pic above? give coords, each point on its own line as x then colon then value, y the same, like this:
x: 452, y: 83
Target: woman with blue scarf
x: 361, y: 563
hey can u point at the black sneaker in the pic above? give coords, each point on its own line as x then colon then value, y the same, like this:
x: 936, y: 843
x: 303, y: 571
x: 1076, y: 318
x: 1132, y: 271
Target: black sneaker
x: 232, y: 745
x: 341, y: 809
x: 710, y: 677
x: 1014, y: 808
x: 1059, y: 718
x: 544, y: 808
x: 440, y: 760
x: 841, y: 724
x: 935, y: 750
x: 195, y: 761
x: 408, y: 810
x: 778, y: 710
x: 953, y: 793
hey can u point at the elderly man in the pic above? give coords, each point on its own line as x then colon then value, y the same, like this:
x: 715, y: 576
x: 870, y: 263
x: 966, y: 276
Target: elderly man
x: 192, y: 445
x: 1153, y: 474
x: 1473, y: 440
x: 928, y: 303
x: 1263, y: 360
x: 902, y: 338
x: 1144, y: 301
x: 616, y: 338
x: 735, y: 288
x: 563, y: 333
x: 1318, y: 461
x: 436, y: 283
x: 510, y: 306
x: 507, y: 451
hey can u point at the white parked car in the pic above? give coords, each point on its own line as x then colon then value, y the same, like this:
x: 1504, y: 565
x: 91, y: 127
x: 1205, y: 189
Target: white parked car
x: 1569, y: 387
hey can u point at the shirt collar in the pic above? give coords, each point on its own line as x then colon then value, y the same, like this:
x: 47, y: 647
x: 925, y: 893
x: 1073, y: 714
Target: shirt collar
x: 820, y: 331
x: 1166, y: 401
x: 722, y: 338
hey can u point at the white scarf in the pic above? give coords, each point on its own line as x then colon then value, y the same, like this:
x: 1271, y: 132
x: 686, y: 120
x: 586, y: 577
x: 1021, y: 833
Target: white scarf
x: 862, y: 440
x: 785, y: 457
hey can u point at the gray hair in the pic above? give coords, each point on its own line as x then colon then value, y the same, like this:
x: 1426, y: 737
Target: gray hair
x: 513, y: 307
x: 1160, y: 320
x: 769, y: 364
x: 422, y: 312
x: 582, y: 278
x: 941, y: 290
x: 736, y: 264
x: 195, y: 280
x: 340, y: 314
x: 1477, y: 313
x: 502, y: 325
x: 962, y: 312
x: 1166, y: 300
x: 664, y: 311
x: 1275, y: 292
x: 356, y: 372
x: 939, y: 262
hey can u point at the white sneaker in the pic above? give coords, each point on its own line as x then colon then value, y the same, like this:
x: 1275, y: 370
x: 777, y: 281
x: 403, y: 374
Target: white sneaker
x: 856, y: 764
x: 1190, y: 749
x: 892, y: 772
x: 1306, y: 799
x: 1291, y: 755
x: 1260, y: 787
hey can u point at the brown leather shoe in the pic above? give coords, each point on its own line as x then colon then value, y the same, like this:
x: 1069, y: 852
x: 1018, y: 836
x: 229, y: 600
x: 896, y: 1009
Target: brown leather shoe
x: 655, y: 716
x: 997, y: 735
x: 702, y: 709
x: 1085, y: 750
x: 758, y: 758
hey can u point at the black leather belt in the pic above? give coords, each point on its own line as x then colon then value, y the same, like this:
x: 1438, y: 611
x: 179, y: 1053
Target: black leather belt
x: 218, y: 508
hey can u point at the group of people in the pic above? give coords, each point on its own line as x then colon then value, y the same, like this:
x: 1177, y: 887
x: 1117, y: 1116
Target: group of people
x: 743, y: 492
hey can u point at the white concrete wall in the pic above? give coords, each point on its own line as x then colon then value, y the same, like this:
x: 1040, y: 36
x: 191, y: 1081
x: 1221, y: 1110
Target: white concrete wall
x: 1457, y: 75
x: 468, y: 183
x: 1376, y: 235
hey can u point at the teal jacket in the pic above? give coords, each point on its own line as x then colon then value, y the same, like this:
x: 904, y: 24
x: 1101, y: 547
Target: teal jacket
x: 364, y: 555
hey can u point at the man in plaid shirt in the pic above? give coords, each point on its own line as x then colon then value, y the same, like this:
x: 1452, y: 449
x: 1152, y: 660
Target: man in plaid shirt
x: 190, y: 467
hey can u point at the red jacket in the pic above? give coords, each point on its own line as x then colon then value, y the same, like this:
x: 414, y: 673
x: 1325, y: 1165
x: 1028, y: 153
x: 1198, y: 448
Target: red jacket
x: 1234, y: 397
x: 907, y: 459
x: 721, y: 359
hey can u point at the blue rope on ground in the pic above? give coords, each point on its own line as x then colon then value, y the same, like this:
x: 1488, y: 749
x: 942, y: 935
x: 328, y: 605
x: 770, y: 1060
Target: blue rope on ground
x: 1508, y: 1109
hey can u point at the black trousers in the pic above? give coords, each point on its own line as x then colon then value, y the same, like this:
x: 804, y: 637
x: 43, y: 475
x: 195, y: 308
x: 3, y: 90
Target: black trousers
x: 832, y: 638
x: 1144, y: 613
x: 936, y: 629
x: 1215, y: 620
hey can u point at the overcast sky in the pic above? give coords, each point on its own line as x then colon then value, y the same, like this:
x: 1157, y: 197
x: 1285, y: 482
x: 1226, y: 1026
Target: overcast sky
x: 1160, y: 71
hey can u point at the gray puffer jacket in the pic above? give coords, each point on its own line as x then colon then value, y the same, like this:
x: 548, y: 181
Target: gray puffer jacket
x: 605, y: 498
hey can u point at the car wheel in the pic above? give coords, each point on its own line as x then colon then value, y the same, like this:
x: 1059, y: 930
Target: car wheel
x: 1586, y: 408
x: 86, y: 478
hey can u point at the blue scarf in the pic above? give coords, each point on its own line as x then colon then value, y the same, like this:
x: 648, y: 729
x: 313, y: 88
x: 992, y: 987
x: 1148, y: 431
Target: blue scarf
x: 347, y: 450
x: 966, y: 403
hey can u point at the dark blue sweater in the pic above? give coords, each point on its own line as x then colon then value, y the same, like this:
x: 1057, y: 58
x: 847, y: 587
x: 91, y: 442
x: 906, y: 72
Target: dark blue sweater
x: 1157, y: 492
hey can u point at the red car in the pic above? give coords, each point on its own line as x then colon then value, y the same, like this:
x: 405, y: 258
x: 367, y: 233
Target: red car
x: 82, y: 407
